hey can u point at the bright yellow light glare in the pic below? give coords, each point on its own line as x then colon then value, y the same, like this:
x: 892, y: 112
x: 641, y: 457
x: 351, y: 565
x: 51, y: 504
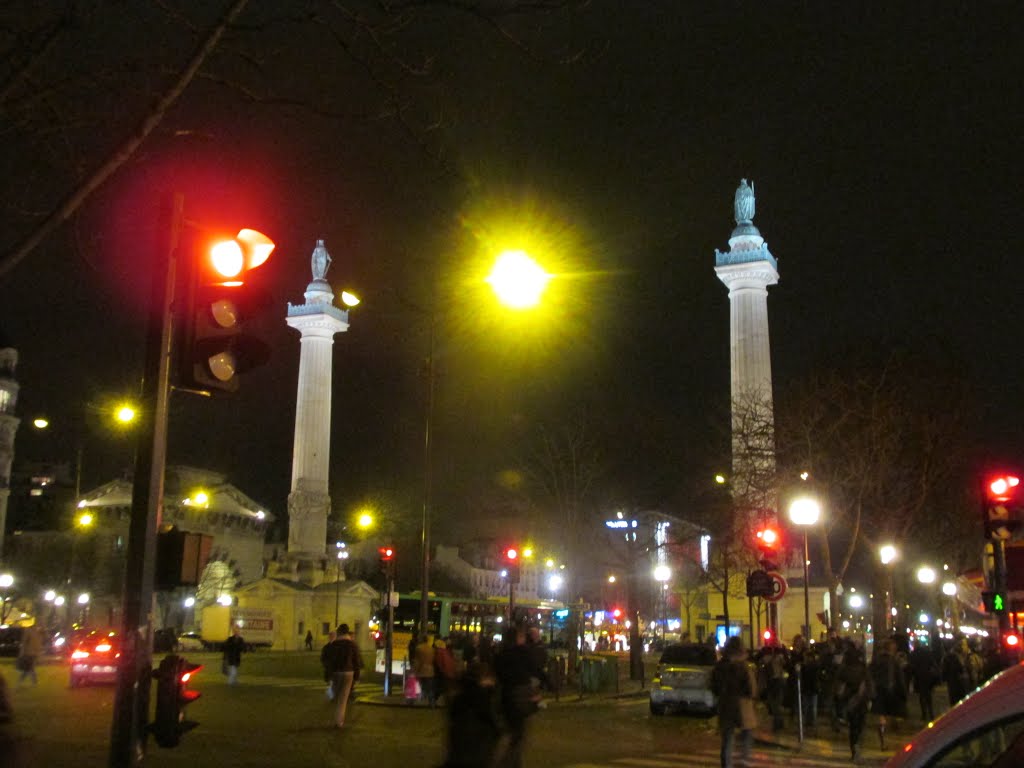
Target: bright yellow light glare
x: 349, y: 299
x: 549, y: 563
x: 887, y: 553
x: 40, y: 423
x: 528, y: 552
x: 85, y: 519
x: 517, y: 280
x: 365, y: 520
x: 227, y: 258
x: 125, y: 414
x: 720, y: 479
x: 200, y: 497
x: 611, y: 579
x: 257, y: 244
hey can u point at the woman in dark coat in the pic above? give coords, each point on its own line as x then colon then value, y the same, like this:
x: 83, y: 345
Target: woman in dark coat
x: 890, y: 687
x: 733, y: 682
x: 854, y: 691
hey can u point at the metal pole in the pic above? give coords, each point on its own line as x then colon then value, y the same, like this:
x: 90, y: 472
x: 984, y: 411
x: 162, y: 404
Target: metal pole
x: 511, y: 603
x: 131, y: 697
x: 389, y: 633
x: 337, y: 592
x: 807, y: 594
x: 428, y: 482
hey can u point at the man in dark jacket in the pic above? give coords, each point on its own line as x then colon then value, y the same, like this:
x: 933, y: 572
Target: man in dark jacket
x: 341, y: 662
x: 519, y: 698
x: 233, y: 648
x: 732, y: 681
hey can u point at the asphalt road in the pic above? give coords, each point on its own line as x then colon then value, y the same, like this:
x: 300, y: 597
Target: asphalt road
x: 278, y: 716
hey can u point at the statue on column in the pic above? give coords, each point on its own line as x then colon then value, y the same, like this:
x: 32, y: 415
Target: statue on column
x: 321, y: 260
x: 743, y: 205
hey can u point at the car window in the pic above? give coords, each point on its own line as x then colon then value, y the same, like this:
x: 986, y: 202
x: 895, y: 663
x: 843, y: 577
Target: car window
x: 997, y: 745
x: 700, y: 655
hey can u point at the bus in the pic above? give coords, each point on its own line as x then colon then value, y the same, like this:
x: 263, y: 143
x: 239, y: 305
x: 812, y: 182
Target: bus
x: 447, y: 614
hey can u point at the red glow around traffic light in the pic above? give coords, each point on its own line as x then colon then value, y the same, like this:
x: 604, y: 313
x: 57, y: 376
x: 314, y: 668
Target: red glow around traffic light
x: 768, y: 537
x: 1003, y: 487
x: 617, y: 613
x: 768, y: 637
x: 511, y: 553
x: 386, y: 554
x: 1012, y: 640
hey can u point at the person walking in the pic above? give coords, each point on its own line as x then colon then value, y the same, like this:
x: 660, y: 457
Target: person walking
x: 854, y: 691
x: 924, y: 675
x: 890, y: 700
x: 341, y: 661
x: 309, y: 639
x: 28, y: 654
x: 473, y: 728
x: 233, y: 648
x: 514, y: 667
x: 733, y: 682
x: 423, y: 669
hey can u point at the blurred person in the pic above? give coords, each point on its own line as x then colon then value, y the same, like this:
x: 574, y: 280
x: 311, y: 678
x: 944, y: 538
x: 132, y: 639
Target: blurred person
x: 732, y: 681
x: 29, y: 652
x: 342, y: 661
x: 519, y: 699
x: 924, y: 676
x: 323, y: 663
x: 445, y: 670
x: 473, y: 728
x: 309, y: 639
x: 854, y: 692
x: 423, y: 669
x: 233, y: 648
x: 890, y: 700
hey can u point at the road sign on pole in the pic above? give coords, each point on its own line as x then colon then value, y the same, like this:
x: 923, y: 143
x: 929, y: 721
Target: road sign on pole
x: 778, y: 587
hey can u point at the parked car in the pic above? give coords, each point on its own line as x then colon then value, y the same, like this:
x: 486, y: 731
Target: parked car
x: 986, y: 728
x: 683, y: 679
x: 190, y: 641
x: 94, y: 659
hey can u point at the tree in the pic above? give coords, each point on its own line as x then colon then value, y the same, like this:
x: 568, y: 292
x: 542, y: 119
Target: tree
x: 84, y: 86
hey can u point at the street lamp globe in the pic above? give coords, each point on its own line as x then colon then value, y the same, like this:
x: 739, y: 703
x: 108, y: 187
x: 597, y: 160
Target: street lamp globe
x: 949, y: 589
x: 804, y: 511
x: 926, y: 575
x: 555, y: 582
x: 662, y: 573
x: 83, y: 599
x: 856, y: 601
x: 887, y: 553
x: 6, y: 580
x: 517, y: 280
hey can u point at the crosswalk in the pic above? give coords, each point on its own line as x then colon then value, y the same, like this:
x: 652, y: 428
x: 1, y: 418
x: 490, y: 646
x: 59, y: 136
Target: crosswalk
x: 709, y: 756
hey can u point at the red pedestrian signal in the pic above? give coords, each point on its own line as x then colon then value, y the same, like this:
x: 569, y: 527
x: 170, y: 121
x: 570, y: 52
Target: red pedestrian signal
x: 512, y: 565
x: 768, y: 637
x: 172, y: 696
x: 768, y: 544
x: 1012, y: 641
x: 511, y: 554
x: 218, y: 299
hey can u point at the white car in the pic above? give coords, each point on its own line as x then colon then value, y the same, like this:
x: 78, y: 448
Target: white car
x: 986, y: 728
x: 190, y: 641
x: 683, y: 679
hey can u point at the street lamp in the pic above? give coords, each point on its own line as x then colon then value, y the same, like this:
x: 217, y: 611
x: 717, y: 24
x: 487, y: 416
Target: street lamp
x: 662, y: 573
x: 518, y: 281
x: 887, y: 554
x: 805, y: 512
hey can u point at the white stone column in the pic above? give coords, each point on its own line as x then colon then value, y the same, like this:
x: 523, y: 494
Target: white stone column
x: 309, y: 502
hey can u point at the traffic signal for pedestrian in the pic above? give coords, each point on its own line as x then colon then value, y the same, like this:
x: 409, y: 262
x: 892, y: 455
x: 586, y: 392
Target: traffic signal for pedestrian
x: 767, y: 637
x: 218, y: 297
x: 1003, y: 503
x: 172, y: 696
x: 995, y: 602
x: 769, y: 542
x: 512, y: 564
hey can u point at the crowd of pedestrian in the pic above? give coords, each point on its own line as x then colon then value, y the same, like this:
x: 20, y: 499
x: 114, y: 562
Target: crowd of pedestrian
x: 833, y: 680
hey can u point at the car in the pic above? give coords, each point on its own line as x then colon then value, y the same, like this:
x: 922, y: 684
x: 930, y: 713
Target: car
x: 683, y: 679
x: 190, y: 641
x: 94, y: 659
x: 986, y: 728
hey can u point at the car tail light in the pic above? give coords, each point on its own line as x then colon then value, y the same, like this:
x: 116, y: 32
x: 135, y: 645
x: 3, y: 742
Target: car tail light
x: 80, y: 654
x: 103, y: 648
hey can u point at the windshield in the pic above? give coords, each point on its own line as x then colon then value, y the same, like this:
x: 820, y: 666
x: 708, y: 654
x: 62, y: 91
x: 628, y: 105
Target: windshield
x: 698, y: 655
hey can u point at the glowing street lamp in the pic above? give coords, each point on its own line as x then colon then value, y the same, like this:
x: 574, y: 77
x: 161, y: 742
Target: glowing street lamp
x: 926, y: 575
x: 887, y: 554
x: 517, y: 280
x: 805, y: 512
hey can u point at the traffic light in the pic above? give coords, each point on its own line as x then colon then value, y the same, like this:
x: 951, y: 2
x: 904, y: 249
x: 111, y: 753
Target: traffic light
x: 768, y: 637
x: 218, y: 297
x: 768, y: 544
x: 386, y: 559
x: 512, y: 565
x: 172, y: 696
x: 995, y: 602
x: 1011, y: 641
x: 181, y: 558
x: 1002, y: 506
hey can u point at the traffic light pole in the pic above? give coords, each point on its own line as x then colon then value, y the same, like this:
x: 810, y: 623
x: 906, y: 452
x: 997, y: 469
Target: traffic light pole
x: 999, y: 582
x: 131, y: 697
x: 389, y: 633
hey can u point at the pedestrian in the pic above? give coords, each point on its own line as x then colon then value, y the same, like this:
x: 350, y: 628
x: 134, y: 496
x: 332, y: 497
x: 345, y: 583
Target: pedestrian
x: 445, y: 671
x: 233, y: 648
x: 473, y: 727
x: 423, y: 669
x: 961, y: 670
x: 309, y: 640
x: 854, y: 693
x: 775, y: 675
x: 518, y: 695
x: 28, y: 654
x: 733, y: 682
x: 810, y: 686
x: 924, y: 675
x: 342, y: 662
x: 890, y: 701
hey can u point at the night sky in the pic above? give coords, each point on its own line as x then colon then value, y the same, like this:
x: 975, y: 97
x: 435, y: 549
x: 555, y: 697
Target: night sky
x: 884, y: 145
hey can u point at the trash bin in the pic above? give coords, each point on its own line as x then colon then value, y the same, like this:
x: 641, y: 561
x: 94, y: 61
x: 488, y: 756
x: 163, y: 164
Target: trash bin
x: 592, y: 673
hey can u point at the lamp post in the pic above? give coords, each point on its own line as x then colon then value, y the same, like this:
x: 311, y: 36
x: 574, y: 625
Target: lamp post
x: 518, y: 283
x: 662, y: 573
x: 805, y: 512
x: 887, y: 554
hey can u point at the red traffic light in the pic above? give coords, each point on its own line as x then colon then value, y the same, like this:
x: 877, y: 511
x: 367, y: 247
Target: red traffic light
x: 511, y: 553
x: 229, y: 258
x: 617, y: 613
x: 768, y: 637
x: 386, y: 554
x: 1003, y: 487
x: 768, y: 538
x: 1012, y: 640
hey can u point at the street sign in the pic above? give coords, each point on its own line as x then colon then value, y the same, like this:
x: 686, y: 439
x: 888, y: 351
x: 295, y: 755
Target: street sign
x: 778, y: 587
x: 760, y: 584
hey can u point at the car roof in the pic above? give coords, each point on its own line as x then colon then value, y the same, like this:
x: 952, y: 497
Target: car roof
x: 999, y: 698
x: 688, y: 654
